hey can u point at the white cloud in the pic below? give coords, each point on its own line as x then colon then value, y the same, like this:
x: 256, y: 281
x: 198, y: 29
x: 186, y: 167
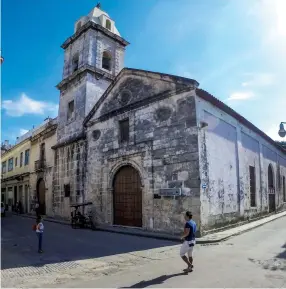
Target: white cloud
x: 23, y: 131
x: 241, y: 95
x: 26, y: 105
x: 259, y: 80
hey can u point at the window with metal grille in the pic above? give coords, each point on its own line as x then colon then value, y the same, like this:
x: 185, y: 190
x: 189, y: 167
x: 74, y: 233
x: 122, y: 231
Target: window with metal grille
x: 252, y: 186
x: 284, y: 189
x: 67, y: 190
x: 27, y: 157
x: 10, y: 165
x: 124, y: 130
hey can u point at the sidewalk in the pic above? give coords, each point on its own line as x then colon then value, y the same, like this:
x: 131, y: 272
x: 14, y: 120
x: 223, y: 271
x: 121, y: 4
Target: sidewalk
x: 210, y: 238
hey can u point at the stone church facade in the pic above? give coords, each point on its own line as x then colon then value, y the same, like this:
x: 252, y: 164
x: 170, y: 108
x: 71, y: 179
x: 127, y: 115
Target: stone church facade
x: 145, y: 147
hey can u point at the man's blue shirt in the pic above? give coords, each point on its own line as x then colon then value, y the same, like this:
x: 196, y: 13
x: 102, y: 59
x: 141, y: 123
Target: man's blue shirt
x: 193, y: 228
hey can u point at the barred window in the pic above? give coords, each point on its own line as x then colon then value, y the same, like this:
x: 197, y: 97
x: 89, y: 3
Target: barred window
x: 252, y: 186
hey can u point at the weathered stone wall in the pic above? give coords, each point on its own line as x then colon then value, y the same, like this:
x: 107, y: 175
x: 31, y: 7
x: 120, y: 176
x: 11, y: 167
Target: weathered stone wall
x: 163, y: 147
x: 85, y: 89
x: 72, y: 127
x: 90, y: 47
x: 69, y: 170
x: 227, y: 149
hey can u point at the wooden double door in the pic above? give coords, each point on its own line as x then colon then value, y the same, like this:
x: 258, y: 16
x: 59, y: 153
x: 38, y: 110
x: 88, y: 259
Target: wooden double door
x: 127, y: 198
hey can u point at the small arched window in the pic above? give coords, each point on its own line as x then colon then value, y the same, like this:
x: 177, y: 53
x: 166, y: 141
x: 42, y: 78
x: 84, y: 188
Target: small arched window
x: 108, y: 24
x: 75, y: 61
x: 106, y: 60
x: 78, y: 26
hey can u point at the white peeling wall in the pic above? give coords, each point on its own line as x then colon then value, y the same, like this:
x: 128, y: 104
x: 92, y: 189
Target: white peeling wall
x: 227, y: 149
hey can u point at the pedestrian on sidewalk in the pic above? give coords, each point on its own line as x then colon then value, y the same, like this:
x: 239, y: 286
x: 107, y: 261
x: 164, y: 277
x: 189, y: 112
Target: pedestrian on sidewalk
x: 37, y: 209
x: 39, y: 232
x: 189, y: 238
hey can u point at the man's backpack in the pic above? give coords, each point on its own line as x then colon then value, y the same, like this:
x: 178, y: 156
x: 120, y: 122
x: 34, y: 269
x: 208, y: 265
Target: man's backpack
x: 34, y: 227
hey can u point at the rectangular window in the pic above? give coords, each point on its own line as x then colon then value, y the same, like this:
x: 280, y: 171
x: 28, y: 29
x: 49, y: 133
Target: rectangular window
x: 16, y: 162
x: 4, y: 167
x: 70, y: 109
x: 67, y: 190
x: 21, y: 159
x: 27, y: 156
x: 252, y: 186
x: 10, y: 165
x: 124, y: 130
x: 284, y: 189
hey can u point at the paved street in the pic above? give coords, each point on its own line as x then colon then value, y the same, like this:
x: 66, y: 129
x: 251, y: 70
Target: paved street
x: 83, y: 258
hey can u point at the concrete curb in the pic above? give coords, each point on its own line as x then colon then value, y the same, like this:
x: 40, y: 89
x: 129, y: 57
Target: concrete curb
x: 204, y: 240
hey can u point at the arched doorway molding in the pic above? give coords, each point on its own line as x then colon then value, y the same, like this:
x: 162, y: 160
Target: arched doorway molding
x: 118, y: 166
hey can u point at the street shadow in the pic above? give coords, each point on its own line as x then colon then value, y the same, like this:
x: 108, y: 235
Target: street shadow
x: 63, y: 244
x: 272, y: 264
x: 155, y: 281
x: 282, y: 255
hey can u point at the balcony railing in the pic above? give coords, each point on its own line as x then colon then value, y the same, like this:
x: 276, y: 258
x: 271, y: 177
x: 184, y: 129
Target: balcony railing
x: 40, y: 165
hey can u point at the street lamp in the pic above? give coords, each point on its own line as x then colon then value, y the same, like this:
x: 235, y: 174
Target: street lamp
x: 282, y: 131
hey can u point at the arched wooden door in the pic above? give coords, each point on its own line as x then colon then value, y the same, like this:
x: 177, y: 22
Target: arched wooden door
x: 271, y: 190
x: 127, y: 198
x: 41, y: 193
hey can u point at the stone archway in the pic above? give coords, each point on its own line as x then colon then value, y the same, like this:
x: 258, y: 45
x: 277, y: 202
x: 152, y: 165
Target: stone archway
x: 41, y: 195
x: 127, y: 197
x: 271, y: 189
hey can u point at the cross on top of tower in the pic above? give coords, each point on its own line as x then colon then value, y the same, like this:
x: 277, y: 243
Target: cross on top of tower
x: 98, y: 5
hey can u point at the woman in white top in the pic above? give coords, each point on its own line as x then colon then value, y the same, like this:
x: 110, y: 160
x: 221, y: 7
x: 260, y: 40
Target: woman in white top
x: 39, y: 232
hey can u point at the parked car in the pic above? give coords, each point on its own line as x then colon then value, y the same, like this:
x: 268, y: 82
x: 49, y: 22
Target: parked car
x: 3, y: 210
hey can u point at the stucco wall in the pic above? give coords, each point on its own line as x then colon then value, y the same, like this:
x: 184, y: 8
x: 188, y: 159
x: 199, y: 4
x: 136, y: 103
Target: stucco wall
x: 227, y: 149
x: 163, y: 148
x: 8, y: 179
x: 46, y: 174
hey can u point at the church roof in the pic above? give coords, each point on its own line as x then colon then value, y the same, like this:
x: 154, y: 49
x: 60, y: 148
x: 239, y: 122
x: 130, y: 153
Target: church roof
x: 167, y: 77
x: 219, y: 104
x: 199, y: 92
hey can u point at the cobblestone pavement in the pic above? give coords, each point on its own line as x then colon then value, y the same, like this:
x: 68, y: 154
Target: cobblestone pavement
x: 82, y: 258
x: 67, y: 252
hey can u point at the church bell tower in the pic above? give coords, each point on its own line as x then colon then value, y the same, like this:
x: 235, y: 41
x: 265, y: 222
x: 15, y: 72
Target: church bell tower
x: 93, y: 56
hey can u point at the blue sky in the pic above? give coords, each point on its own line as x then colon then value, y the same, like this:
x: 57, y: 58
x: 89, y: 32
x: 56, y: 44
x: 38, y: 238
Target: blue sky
x: 235, y: 49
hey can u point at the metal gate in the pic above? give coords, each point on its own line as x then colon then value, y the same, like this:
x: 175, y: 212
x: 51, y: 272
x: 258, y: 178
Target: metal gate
x: 127, y: 198
x: 271, y: 200
x: 42, y: 196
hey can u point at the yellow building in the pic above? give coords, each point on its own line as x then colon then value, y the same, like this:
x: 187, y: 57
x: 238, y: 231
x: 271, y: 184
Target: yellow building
x: 15, y: 177
x: 42, y: 165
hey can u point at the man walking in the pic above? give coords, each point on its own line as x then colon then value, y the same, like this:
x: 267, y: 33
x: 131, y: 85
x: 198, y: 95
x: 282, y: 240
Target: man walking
x: 189, y: 238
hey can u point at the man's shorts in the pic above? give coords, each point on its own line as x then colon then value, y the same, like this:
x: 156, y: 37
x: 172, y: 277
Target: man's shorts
x: 187, y: 248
